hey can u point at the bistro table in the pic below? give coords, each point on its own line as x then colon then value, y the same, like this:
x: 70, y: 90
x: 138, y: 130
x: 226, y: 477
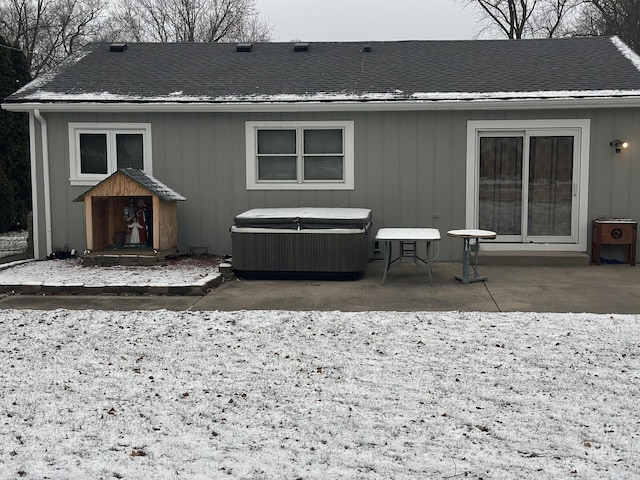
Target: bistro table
x: 467, y: 235
x: 408, y: 239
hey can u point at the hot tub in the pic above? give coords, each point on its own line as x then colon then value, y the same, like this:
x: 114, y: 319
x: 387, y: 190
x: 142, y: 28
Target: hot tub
x: 301, y: 241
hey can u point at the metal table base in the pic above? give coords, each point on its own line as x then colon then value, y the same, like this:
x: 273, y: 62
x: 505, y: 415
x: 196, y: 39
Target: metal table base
x: 471, y: 240
x: 469, y: 248
x: 407, y: 250
x: 408, y: 239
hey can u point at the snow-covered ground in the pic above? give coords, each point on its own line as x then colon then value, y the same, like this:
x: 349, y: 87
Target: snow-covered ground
x: 184, y: 271
x: 280, y: 395
x: 13, y: 243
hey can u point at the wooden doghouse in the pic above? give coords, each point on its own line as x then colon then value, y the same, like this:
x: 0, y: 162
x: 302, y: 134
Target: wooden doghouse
x: 131, y: 212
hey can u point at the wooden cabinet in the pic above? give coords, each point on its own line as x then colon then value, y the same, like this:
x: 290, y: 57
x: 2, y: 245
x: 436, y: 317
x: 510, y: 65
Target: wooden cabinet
x: 614, y: 231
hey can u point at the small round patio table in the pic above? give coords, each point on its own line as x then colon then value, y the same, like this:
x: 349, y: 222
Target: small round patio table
x: 471, y: 239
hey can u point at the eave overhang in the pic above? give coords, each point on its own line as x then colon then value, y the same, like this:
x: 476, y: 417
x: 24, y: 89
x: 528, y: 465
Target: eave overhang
x: 630, y: 101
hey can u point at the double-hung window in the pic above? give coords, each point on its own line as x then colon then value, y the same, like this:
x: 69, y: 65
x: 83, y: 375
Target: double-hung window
x: 99, y: 149
x: 300, y: 155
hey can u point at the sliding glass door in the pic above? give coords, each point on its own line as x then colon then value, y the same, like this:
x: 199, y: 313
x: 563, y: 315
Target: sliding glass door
x: 527, y: 185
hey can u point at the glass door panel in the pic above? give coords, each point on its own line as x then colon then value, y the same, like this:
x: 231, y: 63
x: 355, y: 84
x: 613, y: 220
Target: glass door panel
x: 550, y: 186
x: 500, y: 186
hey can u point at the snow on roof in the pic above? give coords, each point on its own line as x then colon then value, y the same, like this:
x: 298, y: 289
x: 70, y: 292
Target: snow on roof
x: 153, y: 184
x: 49, y: 76
x: 626, y: 51
x: 178, y: 97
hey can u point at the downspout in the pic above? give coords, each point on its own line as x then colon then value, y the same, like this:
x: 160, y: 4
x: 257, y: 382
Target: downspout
x: 45, y: 179
x: 35, y: 230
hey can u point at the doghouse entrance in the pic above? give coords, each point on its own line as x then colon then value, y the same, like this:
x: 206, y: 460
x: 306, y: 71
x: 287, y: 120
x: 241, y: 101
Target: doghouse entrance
x: 122, y: 222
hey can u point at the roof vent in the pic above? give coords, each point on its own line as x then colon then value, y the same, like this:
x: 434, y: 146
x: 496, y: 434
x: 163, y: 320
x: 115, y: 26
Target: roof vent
x: 366, y: 49
x: 244, y: 47
x: 118, y: 47
x: 301, y: 47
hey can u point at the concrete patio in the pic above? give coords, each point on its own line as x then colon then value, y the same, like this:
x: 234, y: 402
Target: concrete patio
x: 594, y: 289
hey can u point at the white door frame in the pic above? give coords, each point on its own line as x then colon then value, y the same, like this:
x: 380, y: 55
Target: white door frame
x: 581, y: 180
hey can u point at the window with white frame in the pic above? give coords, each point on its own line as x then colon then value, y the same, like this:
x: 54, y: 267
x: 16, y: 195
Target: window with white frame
x: 300, y: 155
x: 97, y: 150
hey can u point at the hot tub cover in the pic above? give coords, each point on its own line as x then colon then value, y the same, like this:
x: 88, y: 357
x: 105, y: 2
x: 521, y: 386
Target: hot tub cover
x: 304, y: 218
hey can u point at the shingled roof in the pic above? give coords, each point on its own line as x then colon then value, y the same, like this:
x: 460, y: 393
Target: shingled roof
x: 337, y: 72
x: 142, y: 178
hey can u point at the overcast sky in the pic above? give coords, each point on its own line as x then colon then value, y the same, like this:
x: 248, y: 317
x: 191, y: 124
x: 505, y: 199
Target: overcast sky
x: 347, y: 20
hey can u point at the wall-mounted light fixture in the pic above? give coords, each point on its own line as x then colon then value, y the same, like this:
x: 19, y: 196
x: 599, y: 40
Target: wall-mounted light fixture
x: 619, y: 145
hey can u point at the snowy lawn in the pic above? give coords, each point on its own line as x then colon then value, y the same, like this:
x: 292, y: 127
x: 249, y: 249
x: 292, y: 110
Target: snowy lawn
x: 13, y: 243
x: 279, y: 395
x: 184, y: 271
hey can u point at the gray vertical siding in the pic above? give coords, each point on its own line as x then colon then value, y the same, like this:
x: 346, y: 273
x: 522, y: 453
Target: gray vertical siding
x: 409, y: 169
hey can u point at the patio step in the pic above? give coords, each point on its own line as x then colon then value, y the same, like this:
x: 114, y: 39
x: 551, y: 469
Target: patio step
x: 527, y: 258
x: 129, y: 257
x: 129, y: 260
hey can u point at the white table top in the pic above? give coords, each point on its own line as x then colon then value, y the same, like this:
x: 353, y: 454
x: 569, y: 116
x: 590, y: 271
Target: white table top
x: 408, y: 234
x: 471, y: 233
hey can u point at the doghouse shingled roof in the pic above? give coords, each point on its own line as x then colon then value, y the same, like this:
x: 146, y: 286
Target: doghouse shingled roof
x: 152, y: 184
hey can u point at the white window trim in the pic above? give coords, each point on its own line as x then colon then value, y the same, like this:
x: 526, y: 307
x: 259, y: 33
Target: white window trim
x: 77, y: 128
x: 581, y: 184
x: 348, y: 183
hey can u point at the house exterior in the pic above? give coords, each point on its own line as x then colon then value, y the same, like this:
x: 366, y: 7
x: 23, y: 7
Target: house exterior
x: 512, y: 136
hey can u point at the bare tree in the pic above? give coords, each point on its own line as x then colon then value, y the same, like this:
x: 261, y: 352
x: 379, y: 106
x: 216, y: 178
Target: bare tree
x: 510, y: 17
x: 251, y: 29
x: 612, y: 17
x: 49, y: 30
x: 516, y: 19
x: 556, y: 18
x: 188, y: 20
